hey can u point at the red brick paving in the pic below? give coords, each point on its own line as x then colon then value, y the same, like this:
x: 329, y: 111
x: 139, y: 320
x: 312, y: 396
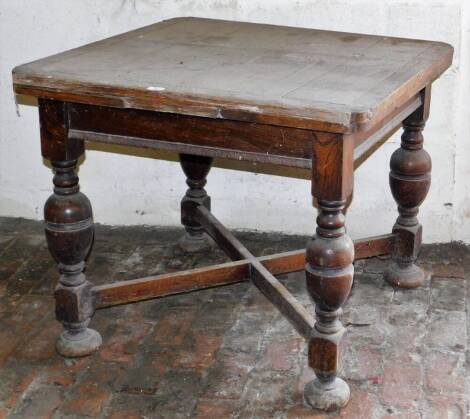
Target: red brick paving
x: 226, y: 352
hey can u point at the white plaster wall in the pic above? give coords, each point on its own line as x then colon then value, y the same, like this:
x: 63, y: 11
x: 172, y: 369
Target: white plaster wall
x: 141, y: 190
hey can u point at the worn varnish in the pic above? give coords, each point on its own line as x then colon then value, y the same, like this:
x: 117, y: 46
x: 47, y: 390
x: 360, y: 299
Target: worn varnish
x: 204, y: 89
x: 243, y: 71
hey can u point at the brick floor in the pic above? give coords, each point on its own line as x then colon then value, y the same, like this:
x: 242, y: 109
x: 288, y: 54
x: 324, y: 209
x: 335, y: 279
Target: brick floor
x: 226, y: 352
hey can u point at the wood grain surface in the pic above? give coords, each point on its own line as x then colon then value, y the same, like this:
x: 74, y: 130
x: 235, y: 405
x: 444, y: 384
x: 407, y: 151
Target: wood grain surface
x: 302, y: 78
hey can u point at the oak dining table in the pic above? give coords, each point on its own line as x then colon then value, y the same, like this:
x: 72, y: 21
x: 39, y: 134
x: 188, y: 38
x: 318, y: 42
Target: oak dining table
x: 291, y: 97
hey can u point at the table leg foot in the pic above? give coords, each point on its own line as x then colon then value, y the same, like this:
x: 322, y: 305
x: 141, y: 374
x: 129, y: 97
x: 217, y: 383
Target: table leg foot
x: 195, y: 243
x: 73, y: 344
x: 409, y: 276
x: 327, y: 395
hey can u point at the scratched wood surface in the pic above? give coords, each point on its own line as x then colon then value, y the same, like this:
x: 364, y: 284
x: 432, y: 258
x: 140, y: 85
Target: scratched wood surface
x: 303, y: 78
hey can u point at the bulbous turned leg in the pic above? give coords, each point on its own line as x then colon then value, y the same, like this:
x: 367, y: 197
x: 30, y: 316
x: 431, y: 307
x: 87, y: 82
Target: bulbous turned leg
x: 196, y: 169
x: 409, y: 181
x: 329, y: 272
x: 69, y: 233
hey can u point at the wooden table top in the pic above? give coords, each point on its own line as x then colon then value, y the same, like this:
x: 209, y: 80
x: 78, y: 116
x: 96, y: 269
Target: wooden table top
x: 303, y: 78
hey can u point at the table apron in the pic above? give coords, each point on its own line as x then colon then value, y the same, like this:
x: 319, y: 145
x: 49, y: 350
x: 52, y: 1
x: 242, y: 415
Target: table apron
x: 246, y: 141
x: 145, y: 143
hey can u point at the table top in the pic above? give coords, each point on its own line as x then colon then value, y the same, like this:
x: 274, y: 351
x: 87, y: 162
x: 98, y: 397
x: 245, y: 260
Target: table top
x: 304, y: 78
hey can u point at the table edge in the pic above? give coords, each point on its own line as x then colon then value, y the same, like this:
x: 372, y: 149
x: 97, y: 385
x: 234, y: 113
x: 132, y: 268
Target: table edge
x: 347, y: 121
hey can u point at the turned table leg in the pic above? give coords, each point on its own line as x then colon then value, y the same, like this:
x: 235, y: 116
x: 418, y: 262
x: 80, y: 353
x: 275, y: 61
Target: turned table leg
x: 329, y: 272
x: 329, y: 269
x: 69, y: 233
x: 410, y: 179
x: 196, y: 169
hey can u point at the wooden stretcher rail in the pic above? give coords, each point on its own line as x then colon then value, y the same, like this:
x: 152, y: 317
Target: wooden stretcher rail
x: 124, y: 292
x: 268, y: 284
x: 373, y: 246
